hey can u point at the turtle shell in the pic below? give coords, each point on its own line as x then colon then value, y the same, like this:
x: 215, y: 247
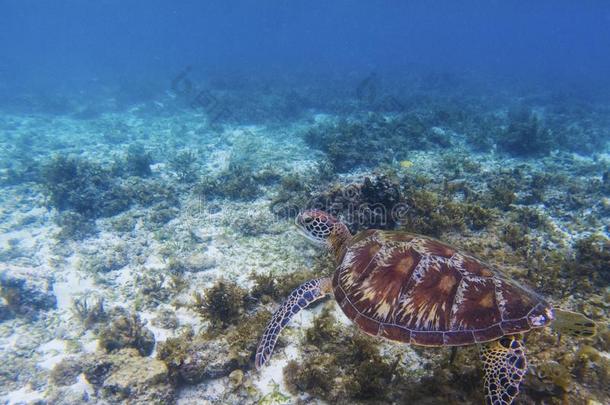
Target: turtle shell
x: 415, y: 289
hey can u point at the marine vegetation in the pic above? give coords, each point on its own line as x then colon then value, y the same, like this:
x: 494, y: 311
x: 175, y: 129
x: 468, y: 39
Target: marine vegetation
x: 74, y: 226
x: 344, y: 141
x: 592, y: 259
x: 76, y: 184
x: 236, y: 182
x: 126, y: 330
x: 433, y: 214
x: 82, y: 190
x: 271, y: 287
x: 371, y: 203
x: 137, y: 161
x: 222, y: 304
x: 526, y: 135
x: 339, y: 366
x: 183, y: 165
x: 89, y: 311
x: 297, y: 191
x: 192, y: 358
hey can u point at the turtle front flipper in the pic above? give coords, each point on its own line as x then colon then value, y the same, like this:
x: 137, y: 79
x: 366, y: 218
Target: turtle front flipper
x: 300, y: 298
x: 573, y: 324
x: 504, y: 365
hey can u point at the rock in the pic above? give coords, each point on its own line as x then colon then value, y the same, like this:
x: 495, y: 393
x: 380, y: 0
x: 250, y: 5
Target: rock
x: 124, y: 376
x: 25, y: 292
x: 236, y: 377
x: 199, y: 262
x: 195, y: 359
x: 5, y: 312
x: 205, y: 360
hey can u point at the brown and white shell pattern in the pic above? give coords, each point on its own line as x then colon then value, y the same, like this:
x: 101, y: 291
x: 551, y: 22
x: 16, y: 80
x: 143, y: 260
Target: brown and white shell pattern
x: 415, y: 289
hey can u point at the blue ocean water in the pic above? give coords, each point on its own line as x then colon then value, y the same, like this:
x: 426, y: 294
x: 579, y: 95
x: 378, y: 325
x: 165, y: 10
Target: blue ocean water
x: 155, y: 157
x: 71, y: 43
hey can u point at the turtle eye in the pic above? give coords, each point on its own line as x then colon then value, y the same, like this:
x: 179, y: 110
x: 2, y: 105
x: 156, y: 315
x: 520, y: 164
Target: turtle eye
x: 308, y: 220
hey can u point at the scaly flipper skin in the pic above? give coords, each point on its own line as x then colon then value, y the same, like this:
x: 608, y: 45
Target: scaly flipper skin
x: 504, y: 365
x: 300, y: 298
x: 573, y: 324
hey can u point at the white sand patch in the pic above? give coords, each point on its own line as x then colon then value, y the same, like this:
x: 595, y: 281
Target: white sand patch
x: 71, y: 285
x: 154, y: 262
x: 9, y: 343
x: 82, y: 386
x: 24, y: 395
x: 209, y: 392
x: 89, y: 342
x: 188, y: 318
x: 52, y: 353
x: 123, y: 276
x: 161, y: 334
x: 271, y: 376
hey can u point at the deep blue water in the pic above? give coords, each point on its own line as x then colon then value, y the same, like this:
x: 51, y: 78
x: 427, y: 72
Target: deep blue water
x: 83, y: 45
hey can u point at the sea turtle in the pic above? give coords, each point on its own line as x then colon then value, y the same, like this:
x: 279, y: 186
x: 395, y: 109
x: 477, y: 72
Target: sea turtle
x: 414, y: 289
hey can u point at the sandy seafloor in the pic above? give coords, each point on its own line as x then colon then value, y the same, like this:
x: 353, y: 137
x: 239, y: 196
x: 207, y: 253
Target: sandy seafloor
x: 205, y: 232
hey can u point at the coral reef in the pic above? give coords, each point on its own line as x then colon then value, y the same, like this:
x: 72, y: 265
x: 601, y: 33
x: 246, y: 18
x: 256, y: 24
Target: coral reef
x: 171, y: 232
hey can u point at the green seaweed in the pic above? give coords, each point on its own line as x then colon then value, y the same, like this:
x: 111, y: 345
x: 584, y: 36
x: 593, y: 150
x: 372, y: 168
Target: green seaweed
x: 127, y: 331
x: 183, y: 165
x: 502, y: 191
x: 433, y: 214
x: 73, y: 183
x: 136, y: 162
x: 89, y: 311
x: 222, y: 304
x: 339, y: 366
x: 237, y: 182
x: 516, y: 236
x: 526, y: 135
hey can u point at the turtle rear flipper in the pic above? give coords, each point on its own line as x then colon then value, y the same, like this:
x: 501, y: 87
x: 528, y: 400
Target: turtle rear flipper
x: 573, y: 324
x: 504, y: 364
x: 300, y: 298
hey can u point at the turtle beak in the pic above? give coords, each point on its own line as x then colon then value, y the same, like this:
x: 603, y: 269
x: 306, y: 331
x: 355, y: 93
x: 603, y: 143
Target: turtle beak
x: 298, y: 222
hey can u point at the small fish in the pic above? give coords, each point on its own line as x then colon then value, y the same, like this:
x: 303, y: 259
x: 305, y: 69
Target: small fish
x: 406, y: 164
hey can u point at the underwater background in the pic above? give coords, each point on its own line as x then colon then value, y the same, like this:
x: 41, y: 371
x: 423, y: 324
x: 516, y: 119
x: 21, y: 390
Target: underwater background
x: 154, y: 155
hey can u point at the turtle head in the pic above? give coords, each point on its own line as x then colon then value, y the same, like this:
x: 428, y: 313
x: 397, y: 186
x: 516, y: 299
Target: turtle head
x: 323, y: 229
x: 316, y: 225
